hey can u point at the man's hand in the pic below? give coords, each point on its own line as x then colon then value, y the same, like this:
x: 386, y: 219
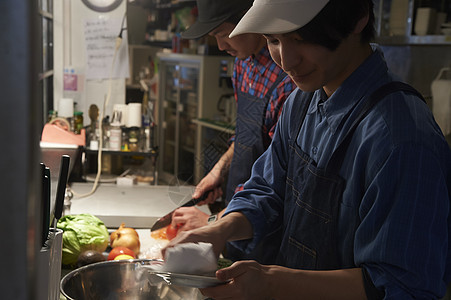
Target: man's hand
x: 207, y: 234
x: 208, y: 183
x: 213, y: 180
x: 249, y: 280
x: 187, y: 218
x: 233, y: 226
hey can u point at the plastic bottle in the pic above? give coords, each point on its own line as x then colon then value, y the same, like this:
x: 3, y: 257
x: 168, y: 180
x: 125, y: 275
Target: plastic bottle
x: 146, y: 136
x: 115, y: 136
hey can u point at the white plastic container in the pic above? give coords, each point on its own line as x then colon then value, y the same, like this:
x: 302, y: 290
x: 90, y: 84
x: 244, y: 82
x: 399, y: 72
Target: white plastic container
x: 425, y: 21
x: 441, y: 99
x: 134, y: 115
x: 398, y: 17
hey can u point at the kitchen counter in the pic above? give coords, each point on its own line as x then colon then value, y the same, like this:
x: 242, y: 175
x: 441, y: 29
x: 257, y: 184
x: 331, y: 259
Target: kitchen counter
x: 137, y: 206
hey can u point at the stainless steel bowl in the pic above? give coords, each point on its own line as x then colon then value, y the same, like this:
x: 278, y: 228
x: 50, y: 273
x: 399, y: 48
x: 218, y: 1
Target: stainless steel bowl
x: 121, y: 279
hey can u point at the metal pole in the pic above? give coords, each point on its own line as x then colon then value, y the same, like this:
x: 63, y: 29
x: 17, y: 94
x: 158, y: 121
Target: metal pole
x: 21, y: 124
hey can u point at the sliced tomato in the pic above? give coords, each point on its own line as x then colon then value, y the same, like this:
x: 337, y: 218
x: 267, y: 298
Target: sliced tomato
x: 171, y: 232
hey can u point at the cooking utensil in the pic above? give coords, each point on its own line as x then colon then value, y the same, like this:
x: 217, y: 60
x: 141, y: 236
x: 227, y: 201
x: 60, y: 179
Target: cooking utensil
x: 167, y: 219
x: 187, y: 280
x: 61, y: 188
x: 45, y: 202
x: 121, y: 279
x: 93, y: 116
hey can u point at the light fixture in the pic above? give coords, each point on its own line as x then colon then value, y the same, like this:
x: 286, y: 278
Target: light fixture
x: 102, y: 5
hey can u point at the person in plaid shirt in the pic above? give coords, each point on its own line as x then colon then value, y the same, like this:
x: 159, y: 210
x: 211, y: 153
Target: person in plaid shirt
x: 261, y: 88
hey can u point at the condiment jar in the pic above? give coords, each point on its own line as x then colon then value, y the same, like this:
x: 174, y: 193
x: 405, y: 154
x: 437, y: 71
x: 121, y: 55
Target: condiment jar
x: 78, y: 122
x: 133, y: 139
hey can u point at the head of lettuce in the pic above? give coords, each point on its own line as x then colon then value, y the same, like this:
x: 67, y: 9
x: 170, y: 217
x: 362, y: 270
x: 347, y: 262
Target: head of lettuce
x: 82, y: 232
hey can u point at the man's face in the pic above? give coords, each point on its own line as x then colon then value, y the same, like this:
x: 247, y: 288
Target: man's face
x: 241, y: 46
x: 310, y: 66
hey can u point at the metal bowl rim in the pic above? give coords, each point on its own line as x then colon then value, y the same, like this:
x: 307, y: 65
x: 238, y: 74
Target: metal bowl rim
x: 109, y: 262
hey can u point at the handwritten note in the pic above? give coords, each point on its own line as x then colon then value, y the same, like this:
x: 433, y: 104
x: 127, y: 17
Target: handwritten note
x: 100, y: 41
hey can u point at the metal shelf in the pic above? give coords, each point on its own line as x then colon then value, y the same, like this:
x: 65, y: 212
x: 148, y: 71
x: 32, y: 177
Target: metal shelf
x: 419, y: 40
x: 383, y: 15
x: 215, y: 125
x: 151, y: 153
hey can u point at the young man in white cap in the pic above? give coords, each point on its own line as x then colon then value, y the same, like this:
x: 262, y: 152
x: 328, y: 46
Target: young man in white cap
x: 357, y: 178
x: 261, y: 88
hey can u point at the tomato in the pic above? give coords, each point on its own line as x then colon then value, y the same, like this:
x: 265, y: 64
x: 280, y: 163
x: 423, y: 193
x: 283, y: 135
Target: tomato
x: 171, y: 231
x: 166, y: 233
x: 120, y: 251
x: 159, y: 234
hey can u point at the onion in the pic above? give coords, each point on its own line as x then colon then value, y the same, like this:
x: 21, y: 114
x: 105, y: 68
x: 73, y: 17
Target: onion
x: 125, y: 237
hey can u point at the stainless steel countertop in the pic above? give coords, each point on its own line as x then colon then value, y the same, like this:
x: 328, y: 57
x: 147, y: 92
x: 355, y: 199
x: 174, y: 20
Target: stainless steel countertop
x: 137, y: 206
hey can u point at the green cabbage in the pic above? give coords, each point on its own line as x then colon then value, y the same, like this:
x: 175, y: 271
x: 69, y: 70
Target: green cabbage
x: 80, y: 233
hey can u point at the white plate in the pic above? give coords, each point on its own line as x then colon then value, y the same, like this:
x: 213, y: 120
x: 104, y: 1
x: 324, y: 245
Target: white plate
x: 195, y: 281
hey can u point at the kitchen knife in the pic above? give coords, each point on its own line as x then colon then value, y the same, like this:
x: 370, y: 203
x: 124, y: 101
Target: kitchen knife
x: 167, y: 219
x: 45, y: 203
x: 61, y: 188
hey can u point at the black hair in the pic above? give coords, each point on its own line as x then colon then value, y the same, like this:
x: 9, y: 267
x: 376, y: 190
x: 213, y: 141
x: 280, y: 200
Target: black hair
x: 336, y: 21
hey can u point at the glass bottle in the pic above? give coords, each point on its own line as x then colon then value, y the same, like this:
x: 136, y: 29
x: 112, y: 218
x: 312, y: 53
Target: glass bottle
x: 124, y: 140
x: 53, y: 114
x: 94, y: 138
x: 78, y: 122
x: 133, y: 139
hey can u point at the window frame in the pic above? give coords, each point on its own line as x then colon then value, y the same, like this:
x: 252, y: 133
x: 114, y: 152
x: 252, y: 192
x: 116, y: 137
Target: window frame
x: 46, y: 71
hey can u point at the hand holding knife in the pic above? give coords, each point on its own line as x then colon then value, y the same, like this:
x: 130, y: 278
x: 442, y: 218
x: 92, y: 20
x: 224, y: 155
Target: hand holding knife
x: 167, y: 219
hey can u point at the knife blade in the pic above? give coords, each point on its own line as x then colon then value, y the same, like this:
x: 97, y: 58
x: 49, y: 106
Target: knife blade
x: 167, y: 219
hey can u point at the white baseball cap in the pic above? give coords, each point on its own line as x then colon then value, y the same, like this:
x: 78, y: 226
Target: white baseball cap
x: 278, y: 16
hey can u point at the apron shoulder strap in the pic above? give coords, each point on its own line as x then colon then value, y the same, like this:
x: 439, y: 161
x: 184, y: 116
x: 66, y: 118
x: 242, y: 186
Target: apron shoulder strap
x: 380, y: 93
x: 299, y: 111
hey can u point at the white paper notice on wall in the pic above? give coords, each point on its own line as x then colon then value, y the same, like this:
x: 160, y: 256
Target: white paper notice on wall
x: 100, y: 42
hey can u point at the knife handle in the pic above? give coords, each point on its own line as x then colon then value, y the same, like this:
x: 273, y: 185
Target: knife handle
x: 194, y: 201
x: 45, y: 203
x: 61, y: 188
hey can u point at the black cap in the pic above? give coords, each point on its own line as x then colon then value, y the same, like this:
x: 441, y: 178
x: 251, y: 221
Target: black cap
x: 213, y: 13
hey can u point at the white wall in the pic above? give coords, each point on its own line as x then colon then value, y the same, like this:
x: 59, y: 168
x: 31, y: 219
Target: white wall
x: 69, y: 50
